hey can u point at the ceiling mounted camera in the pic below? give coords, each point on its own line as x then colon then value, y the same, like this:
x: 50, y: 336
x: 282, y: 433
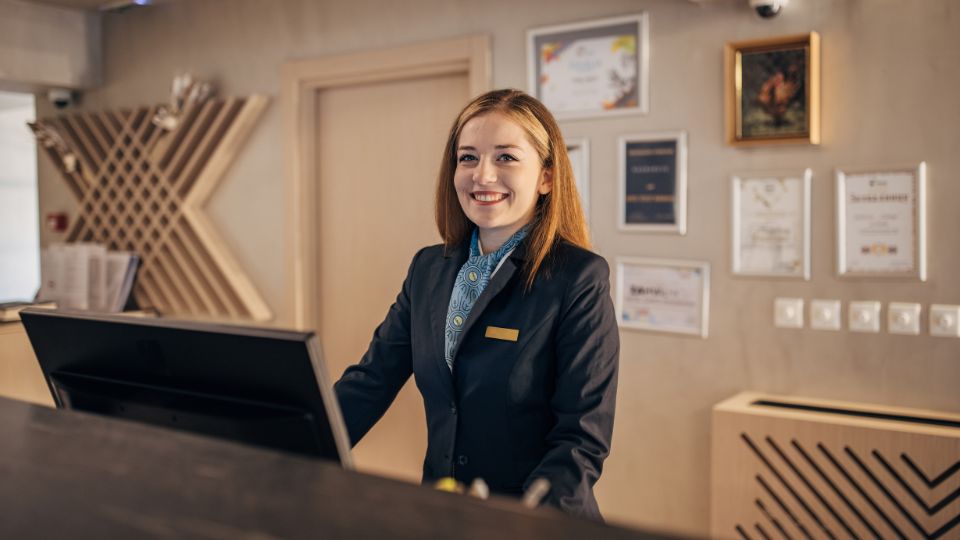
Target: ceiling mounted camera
x: 61, y: 98
x: 767, y: 8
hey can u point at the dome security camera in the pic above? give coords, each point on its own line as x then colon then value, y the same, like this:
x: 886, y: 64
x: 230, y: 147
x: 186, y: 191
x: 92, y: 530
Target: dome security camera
x: 61, y: 98
x: 768, y: 9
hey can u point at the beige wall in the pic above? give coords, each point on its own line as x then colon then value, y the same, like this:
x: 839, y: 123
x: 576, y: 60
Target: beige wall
x: 890, y: 74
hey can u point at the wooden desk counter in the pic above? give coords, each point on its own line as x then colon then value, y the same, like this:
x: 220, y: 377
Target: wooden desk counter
x: 20, y: 374
x: 73, y: 475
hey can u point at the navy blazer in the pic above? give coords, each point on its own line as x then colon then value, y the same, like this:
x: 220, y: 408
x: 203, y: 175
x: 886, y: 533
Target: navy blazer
x: 511, y: 411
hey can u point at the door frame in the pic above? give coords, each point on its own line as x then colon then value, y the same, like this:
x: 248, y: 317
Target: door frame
x: 300, y: 82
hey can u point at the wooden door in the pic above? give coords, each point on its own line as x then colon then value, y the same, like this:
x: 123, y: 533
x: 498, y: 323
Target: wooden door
x: 378, y: 149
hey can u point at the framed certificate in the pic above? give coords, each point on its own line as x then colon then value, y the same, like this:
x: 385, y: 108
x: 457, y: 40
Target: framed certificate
x: 663, y: 295
x: 771, y: 224
x: 881, y: 222
x: 579, y: 152
x: 589, y: 69
x: 653, y: 183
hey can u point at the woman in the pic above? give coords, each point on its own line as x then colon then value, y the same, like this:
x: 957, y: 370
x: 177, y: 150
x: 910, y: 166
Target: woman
x: 508, y: 326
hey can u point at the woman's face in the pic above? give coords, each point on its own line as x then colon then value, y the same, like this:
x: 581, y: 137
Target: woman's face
x: 498, y: 177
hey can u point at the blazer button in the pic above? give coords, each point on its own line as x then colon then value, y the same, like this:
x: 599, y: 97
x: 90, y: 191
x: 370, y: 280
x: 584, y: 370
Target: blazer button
x: 453, y: 408
x: 462, y: 460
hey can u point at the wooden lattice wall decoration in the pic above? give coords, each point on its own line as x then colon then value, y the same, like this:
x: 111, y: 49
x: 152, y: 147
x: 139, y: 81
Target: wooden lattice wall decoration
x: 141, y: 188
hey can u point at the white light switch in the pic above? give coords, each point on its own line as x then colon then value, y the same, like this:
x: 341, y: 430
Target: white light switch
x: 945, y: 320
x: 825, y: 314
x: 903, y: 318
x: 864, y: 317
x: 788, y: 312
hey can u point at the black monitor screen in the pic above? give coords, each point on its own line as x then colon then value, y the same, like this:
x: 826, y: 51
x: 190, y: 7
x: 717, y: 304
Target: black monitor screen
x: 258, y: 386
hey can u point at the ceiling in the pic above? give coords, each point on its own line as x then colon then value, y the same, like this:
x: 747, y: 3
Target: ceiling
x: 76, y: 4
x: 87, y: 5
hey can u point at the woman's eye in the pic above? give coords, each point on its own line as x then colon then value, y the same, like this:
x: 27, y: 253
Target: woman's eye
x: 466, y: 157
x: 507, y: 157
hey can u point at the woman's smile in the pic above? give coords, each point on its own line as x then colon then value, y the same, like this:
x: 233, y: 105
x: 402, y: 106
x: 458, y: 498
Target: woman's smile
x: 487, y: 198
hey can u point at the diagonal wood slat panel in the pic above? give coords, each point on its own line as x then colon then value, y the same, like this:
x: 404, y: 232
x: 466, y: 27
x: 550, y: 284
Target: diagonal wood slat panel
x: 797, y: 468
x: 142, y: 189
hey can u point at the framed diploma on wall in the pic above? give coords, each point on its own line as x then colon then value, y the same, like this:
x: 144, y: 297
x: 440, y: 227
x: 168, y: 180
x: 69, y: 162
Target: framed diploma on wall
x: 663, y: 295
x: 771, y: 224
x: 590, y: 69
x: 653, y: 183
x: 579, y: 152
x: 881, y: 222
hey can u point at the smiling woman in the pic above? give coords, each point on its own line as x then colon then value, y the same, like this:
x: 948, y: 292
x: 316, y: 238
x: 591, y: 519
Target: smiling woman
x: 508, y: 326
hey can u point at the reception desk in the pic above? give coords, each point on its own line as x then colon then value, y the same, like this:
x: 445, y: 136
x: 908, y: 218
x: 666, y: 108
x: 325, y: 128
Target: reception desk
x: 20, y: 375
x: 68, y: 474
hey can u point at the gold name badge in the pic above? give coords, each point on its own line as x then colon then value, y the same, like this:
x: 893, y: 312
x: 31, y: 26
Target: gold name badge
x: 506, y: 334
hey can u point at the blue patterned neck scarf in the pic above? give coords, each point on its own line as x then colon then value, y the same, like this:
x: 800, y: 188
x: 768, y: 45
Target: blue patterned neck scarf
x: 473, y: 278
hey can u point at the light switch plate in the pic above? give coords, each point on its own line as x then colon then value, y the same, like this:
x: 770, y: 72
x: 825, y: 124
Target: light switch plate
x: 864, y: 317
x: 945, y: 320
x: 788, y: 312
x: 903, y: 318
x: 825, y: 314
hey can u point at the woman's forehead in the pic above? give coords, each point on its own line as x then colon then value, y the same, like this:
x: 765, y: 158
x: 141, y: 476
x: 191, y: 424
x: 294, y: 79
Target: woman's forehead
x: 493, y: 129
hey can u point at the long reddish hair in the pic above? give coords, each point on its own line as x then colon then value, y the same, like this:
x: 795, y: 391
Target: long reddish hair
x: 558, y: 214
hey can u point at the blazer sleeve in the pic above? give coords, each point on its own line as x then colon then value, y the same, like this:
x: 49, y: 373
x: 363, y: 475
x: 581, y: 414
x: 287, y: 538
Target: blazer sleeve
x: 366, y: 390
x: 588, y: 352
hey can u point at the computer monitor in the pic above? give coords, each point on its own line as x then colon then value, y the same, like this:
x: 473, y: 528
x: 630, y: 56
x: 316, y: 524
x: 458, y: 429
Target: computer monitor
x: 260, y: 386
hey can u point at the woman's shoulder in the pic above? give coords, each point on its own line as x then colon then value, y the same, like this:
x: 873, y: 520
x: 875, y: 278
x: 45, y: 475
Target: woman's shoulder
x: 429, y: 256
x: 435, y: 252
x: 577, y: 263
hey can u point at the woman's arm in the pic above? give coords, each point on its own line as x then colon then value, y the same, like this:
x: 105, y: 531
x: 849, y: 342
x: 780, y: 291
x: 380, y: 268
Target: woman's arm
x: 367, y: 389
x: 588, y: 352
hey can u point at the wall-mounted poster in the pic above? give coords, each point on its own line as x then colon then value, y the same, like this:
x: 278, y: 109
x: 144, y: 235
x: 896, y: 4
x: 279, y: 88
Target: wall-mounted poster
x: 771, y: 224
x: 579, y: 152
x: 653, y: 182
x: 773, y: 90
x: 595, y: 68
x: 881, y: 222
x: 663, y: 295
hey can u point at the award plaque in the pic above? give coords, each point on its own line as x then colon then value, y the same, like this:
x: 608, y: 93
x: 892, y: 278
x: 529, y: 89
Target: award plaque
x: 881, y: 222
x: 579, y: 152
x: 653, y: 183
x: 663, y: 295
x: 590, y: 69
x: 771, y: 224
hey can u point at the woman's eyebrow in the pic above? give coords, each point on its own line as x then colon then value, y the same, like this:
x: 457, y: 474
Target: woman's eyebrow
x: 498, y: 147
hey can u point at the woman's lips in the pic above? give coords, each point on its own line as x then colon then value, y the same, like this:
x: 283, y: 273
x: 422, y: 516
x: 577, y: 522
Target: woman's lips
x: 487, y: 198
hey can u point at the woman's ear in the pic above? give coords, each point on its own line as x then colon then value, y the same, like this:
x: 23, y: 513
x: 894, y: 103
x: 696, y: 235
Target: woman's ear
x: 546, y: 181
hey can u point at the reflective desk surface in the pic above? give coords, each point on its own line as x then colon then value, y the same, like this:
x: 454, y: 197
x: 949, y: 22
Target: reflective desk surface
x: 65, y: 474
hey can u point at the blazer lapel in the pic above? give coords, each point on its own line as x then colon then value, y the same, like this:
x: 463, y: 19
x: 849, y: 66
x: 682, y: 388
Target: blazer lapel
x: 444, y: 278
x: 499, y: 281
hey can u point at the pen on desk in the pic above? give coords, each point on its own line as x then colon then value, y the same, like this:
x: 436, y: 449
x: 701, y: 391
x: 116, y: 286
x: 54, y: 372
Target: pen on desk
x: 536, y: 492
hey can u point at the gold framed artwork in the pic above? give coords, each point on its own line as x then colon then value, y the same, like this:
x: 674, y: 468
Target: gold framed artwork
x: 772, y: 90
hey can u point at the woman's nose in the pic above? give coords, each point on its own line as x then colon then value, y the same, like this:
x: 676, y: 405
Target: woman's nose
x: 485, y: 173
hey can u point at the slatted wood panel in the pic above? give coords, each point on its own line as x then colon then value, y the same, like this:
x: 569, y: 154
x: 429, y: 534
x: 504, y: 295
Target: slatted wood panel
x: 796, y: 468
x: 143, y: 189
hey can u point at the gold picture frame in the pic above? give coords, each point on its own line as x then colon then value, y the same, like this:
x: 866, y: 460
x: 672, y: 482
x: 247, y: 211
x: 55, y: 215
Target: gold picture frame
x: 772, y: 90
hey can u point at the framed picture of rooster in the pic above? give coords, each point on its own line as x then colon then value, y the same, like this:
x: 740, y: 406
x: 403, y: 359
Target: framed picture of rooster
x: 772, y: 90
